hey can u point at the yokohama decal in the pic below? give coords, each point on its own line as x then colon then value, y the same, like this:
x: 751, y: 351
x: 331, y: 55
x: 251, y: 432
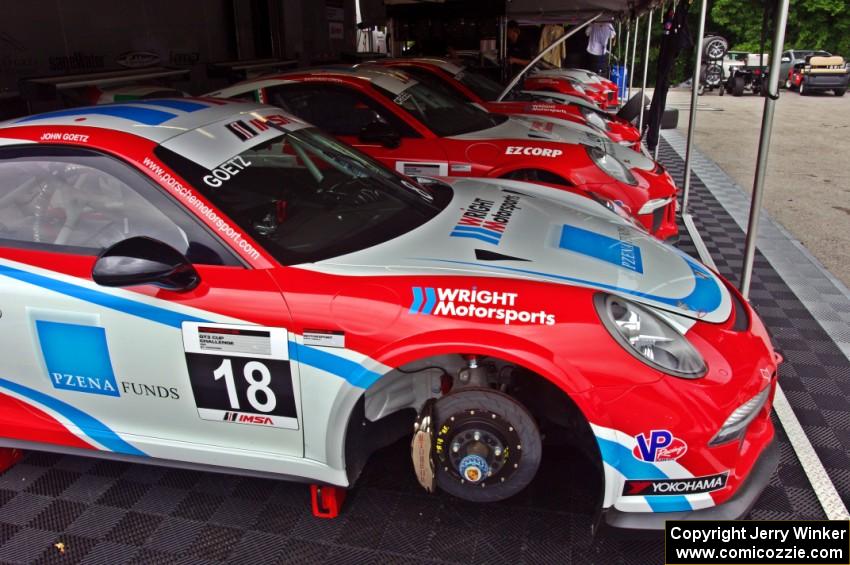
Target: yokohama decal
x: 656, y: 487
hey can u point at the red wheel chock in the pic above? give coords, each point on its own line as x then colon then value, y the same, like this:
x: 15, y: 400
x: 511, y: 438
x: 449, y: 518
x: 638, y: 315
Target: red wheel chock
x: 8, y: 457
x: 327, y: 500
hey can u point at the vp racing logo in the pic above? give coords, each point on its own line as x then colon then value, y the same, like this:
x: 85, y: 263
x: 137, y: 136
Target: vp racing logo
x: 474, y: 303
x: 483, y: 221
x: 659, y: 445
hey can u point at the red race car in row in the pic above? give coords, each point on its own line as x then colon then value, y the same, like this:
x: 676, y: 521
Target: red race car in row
x: 219, y: 286
x: 420, y: 131
x: 569, y: 81
x: 478, y: 89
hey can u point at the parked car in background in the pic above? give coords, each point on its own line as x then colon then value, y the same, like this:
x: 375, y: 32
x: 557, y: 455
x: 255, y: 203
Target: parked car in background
x: 793, y: 57
x: 478, y: 89
x: 820, y: 74
x: 420, y: 131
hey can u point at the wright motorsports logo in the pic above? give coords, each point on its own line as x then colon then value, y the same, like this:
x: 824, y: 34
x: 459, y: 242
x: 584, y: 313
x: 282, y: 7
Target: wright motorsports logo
x: 483, y: 221
x: 473, y: 303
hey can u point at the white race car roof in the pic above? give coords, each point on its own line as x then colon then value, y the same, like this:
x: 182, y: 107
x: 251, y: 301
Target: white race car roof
x: 444, y: 64
x: 394, y: 80
x: 157, y: 120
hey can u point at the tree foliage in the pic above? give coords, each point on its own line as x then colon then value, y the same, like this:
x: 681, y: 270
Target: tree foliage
x: 812, y: 24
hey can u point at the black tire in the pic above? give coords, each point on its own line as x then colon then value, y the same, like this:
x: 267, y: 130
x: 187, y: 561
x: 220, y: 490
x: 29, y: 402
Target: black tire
x: 712, y: 74
x: 475, y: 408
x: 714, y: 47
x: 788, y: 84
x: 738, y: 86
x: 840, y: 91
x: 721, y: 90
x: 803, y: 90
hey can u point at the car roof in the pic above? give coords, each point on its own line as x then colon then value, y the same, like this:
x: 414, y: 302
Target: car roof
x: 394, y: 80
x: 155, y: 119
x: 444, y: 64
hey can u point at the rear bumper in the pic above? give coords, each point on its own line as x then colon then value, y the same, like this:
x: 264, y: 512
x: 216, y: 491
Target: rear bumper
x: 826, y: 81
x: 735, y: 508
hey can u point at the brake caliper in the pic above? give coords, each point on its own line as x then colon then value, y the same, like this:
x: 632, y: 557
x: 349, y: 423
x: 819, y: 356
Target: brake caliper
x: 421, y: 448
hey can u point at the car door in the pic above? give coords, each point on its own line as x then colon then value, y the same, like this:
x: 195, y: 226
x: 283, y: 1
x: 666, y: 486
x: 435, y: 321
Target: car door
x: 173, y: 374
x: 345, y: 112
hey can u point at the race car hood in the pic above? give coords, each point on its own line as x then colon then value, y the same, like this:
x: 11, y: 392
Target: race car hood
x: 543, y: 128
x: 498, y: 228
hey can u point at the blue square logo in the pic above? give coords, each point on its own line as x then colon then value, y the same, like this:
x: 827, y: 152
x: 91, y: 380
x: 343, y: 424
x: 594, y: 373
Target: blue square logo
x: 77, y: 357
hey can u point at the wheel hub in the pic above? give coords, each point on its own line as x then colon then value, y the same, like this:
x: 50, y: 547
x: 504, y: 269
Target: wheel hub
x: 478, y: 447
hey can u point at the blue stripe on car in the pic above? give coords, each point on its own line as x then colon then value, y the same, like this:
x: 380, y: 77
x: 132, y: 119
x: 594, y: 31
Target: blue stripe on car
x: 354, y: 373
x: 705, y: 297
x: 93, y: 428
x: 147, y: 116
x: 619, y: 457
x: 139, y: 309
x: 417, y: 300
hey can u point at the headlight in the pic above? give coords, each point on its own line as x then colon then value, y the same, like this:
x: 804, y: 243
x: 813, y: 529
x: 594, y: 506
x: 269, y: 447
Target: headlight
x: 736, y: 424
x: 654, y: 204
x: 649, y: 338
x: 611, y: 166
x: 593, y: 118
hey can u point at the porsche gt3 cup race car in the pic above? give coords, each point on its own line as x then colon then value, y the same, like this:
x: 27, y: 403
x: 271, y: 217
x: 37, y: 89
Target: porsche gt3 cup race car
x: 217, y: 285
x: 420, y: 131
x: 601, y: 91
x: 478, y: 89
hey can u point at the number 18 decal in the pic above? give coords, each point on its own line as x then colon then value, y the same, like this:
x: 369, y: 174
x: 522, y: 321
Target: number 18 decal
x: 241, y: 374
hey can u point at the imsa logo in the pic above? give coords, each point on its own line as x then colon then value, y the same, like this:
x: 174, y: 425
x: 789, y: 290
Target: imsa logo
x: 240, y: 418
x: 695, y: 485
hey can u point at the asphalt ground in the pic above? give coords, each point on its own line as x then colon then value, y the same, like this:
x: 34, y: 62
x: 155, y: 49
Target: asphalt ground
x: 808, y: 180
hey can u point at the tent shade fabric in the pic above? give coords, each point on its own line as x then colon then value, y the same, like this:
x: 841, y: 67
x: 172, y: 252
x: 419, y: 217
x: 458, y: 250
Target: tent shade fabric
x: 544, y: 10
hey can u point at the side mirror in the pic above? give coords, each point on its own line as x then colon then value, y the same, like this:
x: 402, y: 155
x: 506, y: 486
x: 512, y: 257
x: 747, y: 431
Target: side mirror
x: 381, y: 133
x: 144, y: 260
x: 786, y: 59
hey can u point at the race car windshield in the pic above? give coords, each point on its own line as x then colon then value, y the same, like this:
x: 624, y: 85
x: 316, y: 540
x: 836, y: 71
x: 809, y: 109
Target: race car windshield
x: 485, y: 88
x: 443, y: 114
x: 306, y: 197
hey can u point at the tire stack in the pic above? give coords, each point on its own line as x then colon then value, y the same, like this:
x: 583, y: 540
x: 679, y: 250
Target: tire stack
x: 714, y: 48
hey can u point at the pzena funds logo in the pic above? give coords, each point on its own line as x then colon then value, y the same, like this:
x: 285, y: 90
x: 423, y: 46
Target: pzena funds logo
x: 483, y: 221
x: 474, y: 303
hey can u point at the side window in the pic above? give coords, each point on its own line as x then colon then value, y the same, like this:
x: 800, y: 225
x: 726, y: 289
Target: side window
x: 336, y: 110
x: 79, y: 201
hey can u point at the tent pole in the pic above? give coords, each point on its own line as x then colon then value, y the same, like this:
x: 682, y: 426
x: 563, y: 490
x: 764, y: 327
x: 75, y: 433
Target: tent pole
x: 764, y: 147
x: 626, y: 59
x: 634, y: 52
x: 645, y: 69
x: 686, y: 182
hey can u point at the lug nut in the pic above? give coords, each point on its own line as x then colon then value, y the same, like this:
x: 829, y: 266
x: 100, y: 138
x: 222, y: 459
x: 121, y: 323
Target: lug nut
x: 497, y: 452
x: 455, y: 447
x: 476, y: 436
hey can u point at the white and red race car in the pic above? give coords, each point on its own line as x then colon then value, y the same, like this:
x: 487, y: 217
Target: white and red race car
x: 421, y: 131
x: 218, y: 285
x: 480, y: 90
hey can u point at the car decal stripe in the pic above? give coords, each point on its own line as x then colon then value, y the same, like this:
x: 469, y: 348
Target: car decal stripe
x: 477, y: 236
x: 92, y: 427
x: 591, y: 244
x: 705, y: 297
x: 139, y: 309
x: 430, y: 300
x: 147, y: 116
x: 182, y: 105
x: 353, y: 372
x: 417, y: 300
x: 619, y: 457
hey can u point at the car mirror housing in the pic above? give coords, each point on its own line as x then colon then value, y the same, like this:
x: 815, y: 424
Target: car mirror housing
x: 380, y: 132
x: 144, y: 260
